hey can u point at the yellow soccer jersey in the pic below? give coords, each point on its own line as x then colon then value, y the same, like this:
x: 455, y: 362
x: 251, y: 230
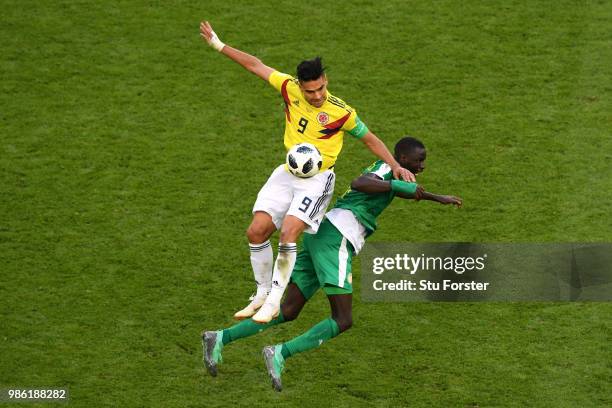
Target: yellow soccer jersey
x: 324, y: 127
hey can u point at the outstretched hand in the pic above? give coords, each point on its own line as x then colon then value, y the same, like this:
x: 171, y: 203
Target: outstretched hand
x: 447, y: 199
x: 209, y: 35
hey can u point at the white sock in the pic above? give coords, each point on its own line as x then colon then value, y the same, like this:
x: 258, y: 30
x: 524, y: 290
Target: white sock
x: 261, y: 261
x: 285, y: 261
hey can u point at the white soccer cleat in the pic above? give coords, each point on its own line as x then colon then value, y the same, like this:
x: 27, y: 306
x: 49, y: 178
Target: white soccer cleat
x: 251, y: 308
x: 266, y: 313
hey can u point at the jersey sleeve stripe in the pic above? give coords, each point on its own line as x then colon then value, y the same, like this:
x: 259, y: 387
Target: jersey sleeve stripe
x: 286, y: 98
x: 340, y: 105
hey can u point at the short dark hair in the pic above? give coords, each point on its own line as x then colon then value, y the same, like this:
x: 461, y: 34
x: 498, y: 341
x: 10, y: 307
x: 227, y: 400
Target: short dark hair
x: 309, y: 70
x: 406, y: 145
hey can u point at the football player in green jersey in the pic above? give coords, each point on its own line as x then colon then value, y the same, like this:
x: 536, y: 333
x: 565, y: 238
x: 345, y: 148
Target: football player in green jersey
x: 325, y: 260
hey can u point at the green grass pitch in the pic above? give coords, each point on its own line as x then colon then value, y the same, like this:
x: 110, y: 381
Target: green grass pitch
x: 131, y: 154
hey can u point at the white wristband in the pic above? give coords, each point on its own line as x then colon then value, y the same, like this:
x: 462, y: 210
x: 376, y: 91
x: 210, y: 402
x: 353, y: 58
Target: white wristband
x: 215, y: 42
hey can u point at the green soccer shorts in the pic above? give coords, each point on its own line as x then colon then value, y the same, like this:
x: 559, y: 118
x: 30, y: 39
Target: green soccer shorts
x: 324, y: 261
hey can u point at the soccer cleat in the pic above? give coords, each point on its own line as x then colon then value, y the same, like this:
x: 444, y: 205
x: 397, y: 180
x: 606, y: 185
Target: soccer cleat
x: 251, y: 308
x: 266, y: 313
x: 212, y: 346
x: 275, y: 364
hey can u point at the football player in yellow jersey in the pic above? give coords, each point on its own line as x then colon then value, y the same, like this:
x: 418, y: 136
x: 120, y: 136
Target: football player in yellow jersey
x: 291, y: 204
x: 323, y: 125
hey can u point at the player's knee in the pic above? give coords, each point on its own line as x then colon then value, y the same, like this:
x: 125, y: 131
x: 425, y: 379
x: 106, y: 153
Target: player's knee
x: 290, y: 234
x: 344, y: 322
x: 256, y: 234
x: 291, y: 229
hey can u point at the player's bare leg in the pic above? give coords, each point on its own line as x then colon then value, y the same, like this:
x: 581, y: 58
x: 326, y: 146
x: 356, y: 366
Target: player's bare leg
x: 261, y: 228
x: 291, y: 230
x: 293, y: 304
x: 262, y: 260
x: 342, y: 310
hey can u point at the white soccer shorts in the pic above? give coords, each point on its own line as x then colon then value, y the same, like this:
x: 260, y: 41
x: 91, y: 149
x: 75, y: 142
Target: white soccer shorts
x: 304, y: 198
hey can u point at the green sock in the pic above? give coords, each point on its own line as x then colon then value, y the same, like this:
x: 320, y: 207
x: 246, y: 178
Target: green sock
x: 314, y: 337
x: 248, y: 328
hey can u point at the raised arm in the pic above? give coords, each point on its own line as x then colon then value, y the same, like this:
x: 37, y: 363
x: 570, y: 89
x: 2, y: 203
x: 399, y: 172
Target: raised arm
x: 249, y: 62
x: 376, y: 146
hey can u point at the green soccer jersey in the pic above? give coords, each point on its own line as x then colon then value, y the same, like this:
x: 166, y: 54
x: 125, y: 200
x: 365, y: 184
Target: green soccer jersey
x: 367, y: 207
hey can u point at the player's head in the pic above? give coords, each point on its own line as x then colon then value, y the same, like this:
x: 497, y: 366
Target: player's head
x: 410, y: 153
x: 313, y: 82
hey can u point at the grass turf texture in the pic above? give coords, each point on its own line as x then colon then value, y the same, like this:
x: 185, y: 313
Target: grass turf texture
x: 131, y: 154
